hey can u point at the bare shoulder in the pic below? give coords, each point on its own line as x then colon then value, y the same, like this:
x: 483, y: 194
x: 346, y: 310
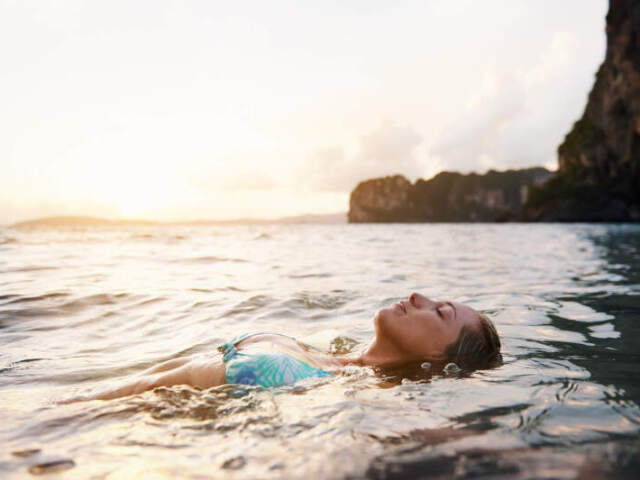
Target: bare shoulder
x: 206, y: 372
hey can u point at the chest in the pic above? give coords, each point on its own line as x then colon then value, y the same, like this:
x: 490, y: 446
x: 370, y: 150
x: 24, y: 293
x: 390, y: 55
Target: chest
x: 269, y: 343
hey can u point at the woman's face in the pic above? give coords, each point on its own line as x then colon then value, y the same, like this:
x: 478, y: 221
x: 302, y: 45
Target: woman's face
x: 421, y: 328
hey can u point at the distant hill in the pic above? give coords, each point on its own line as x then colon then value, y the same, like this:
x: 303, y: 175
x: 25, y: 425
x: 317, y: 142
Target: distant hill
x: 73, y: 221
x: 82, y: 221
x: 324, y: 219
x: 447, y: 197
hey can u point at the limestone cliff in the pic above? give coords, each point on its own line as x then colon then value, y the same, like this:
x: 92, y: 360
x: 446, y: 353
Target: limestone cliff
x: 381, y: 200
x: 447, y: 197
x: 599, y: 160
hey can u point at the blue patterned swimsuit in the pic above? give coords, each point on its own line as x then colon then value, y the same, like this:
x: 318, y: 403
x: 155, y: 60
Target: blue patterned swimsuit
x: 265, y: 369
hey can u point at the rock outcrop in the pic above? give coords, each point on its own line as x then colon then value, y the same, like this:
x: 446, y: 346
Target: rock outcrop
x: 382, y: 200
x: 599, y: 160
x: 447, y: 197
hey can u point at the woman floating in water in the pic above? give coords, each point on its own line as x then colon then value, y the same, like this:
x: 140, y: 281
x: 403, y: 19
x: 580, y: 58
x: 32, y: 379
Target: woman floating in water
x: 416, y: 329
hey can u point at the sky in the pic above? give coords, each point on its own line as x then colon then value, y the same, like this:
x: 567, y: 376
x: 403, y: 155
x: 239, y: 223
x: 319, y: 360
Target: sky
x: 185, y: 110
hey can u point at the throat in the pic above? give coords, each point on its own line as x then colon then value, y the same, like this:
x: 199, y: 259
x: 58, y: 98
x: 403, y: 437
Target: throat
x: 380, y: 354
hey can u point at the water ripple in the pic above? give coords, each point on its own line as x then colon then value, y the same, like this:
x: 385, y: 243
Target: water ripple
x: 88, y: 308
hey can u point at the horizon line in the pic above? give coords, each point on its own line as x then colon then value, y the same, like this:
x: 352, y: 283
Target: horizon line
x: 51, y: 220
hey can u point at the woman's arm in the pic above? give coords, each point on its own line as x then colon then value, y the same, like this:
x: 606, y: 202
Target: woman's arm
x: 197, y: 373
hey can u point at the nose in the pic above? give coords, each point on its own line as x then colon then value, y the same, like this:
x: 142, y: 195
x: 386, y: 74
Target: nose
x: 418, y: 300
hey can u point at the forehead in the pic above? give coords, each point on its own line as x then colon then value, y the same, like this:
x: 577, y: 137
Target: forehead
x: 466, y: 315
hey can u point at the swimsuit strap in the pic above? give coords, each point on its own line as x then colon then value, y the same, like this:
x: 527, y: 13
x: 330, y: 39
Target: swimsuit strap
x: 229, y: 350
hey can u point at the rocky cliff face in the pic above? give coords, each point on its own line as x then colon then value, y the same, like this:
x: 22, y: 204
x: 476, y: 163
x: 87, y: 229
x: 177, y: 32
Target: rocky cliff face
x: 599, y: 160
x: 381, y: 200
x: 447, y: 197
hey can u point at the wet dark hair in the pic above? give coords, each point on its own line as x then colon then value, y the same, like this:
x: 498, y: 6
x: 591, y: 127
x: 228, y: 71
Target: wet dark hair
x: 476, y: 347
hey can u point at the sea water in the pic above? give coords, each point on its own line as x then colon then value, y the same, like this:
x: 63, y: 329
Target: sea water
x: 85, y: 309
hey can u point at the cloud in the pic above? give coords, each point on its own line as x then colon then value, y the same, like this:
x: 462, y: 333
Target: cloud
x: 239, y: 170
x: 388, y: 150
x: 518, y: 119
x: 473, y: 139
x: 249, y: 180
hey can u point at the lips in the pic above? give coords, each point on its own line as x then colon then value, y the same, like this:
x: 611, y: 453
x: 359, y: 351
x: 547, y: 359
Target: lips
x: 401, y: 306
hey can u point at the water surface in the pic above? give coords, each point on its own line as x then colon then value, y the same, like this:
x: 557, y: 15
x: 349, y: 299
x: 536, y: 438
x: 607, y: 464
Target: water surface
x: 87, y: 308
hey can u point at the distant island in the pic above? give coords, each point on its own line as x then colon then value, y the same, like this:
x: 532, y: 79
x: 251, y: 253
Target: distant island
x: 447, y: 197
x: 598, y: 178
x: 83, y: 221
x: 72, y: 221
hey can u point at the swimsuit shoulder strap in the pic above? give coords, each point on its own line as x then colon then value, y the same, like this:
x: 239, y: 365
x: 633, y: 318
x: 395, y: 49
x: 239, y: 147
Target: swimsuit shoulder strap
x: 229, y: 350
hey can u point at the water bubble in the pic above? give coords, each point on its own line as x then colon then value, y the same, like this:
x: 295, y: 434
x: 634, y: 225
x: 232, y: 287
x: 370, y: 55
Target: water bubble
x: 51, y: 465
x: 298, y: 390
x: 25, y: 453
x: 234, y: 463
x: 425, y: 366
x: 452, y: 369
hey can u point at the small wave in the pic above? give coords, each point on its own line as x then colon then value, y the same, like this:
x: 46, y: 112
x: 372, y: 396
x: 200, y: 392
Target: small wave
x: 32, y: 268
x: 11, y: 365
x: 148, y: 301
x: 6, y: 240
x: 229, y: 288
x: 232, y: 406
x: 311, y: 275
x: 14, y: 314
x: 394, y: 278
x: 142, y: 236
x: 209, y: 259
x: 203, y: 305
x: 263, y: 236
x: 36, y: 298
x: 28, y: 360
x: 93, y: 300
x: 309, y: 301
x: 202, y: 290
x: 250, y: 305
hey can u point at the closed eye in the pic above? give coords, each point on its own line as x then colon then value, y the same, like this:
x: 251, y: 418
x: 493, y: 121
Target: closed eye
x: 439, y: 312
x: 455, y: 312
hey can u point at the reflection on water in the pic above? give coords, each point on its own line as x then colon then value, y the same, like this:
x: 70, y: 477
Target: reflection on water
x: 83, y: 308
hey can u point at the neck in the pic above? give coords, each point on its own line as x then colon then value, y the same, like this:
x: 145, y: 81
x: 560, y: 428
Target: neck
x: 376, y: 354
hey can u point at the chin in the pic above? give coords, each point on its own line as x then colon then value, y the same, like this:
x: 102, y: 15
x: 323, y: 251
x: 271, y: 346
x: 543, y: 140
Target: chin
x: 382, y: 317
